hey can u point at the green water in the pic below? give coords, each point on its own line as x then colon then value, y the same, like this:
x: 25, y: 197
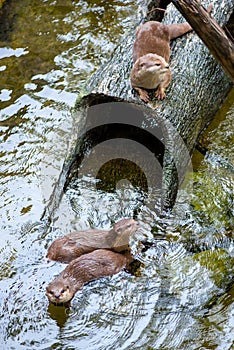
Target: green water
x: 182, y: 297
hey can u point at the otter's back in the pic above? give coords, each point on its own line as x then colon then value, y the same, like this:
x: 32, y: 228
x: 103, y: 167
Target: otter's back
x: 94, y: 265
x: 152, y: 37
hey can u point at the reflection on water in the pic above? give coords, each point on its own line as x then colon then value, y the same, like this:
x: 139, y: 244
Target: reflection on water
x: 182, y: 295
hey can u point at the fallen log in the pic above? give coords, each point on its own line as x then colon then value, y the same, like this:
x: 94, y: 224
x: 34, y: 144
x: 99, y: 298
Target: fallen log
x: 168, y: 129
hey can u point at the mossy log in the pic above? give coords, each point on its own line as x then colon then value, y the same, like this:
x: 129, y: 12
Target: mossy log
x: 198, y: 88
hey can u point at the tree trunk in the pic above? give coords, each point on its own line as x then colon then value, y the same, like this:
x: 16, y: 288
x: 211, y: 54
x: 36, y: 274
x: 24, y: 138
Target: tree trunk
x: 198, y: 88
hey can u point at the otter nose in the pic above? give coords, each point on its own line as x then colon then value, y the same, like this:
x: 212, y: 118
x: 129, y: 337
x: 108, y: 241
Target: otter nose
x: 167, y: 66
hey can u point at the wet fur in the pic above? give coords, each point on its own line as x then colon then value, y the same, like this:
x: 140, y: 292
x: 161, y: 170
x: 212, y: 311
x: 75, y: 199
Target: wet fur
x: 86, y: 268
x: 73, y: 245
x: 151, y: 48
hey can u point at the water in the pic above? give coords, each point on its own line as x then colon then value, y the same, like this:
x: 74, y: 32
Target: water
x: 182, y: 295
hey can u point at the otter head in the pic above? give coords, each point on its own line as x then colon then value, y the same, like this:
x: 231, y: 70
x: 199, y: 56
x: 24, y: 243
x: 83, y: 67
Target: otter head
x: 149, y: 71
x: 123, y: 230
x: 59, y: 292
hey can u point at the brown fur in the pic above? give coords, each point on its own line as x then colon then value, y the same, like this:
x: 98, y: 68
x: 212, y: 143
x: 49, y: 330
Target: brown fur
x: 73, y: 245
x: 88, y: 267
x: 151, y: 54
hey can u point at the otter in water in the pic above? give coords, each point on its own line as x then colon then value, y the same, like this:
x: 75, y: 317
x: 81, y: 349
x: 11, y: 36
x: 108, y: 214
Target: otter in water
x: 88, y: 267
x: 73, y: 245
x: 151, y: 52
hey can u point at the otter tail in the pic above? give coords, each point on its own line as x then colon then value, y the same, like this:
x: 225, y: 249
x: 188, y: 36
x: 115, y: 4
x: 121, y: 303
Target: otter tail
x: 176, y: 30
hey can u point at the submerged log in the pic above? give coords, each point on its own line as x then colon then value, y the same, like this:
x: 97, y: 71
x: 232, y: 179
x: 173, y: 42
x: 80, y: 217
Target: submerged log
x: 198, y: 88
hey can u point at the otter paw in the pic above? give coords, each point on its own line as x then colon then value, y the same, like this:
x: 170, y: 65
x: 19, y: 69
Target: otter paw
x: 143, y: 95
x: 160, y: 94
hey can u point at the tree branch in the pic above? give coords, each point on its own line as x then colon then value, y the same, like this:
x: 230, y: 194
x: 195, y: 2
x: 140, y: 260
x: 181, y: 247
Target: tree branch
x: 210, y: 32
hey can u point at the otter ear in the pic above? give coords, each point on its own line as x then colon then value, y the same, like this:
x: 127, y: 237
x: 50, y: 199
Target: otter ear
x: 118, y: 230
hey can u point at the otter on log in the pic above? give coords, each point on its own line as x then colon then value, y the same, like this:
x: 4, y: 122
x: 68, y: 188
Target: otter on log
x: 151, y: 52
x: 75, y: 244
x: 86, y: 268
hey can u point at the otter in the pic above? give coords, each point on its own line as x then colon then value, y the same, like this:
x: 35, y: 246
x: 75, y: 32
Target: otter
x: 151, y: 52
x: 75, y: 244
x: 86, y: 268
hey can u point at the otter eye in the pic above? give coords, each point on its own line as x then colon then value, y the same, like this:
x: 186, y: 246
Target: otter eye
x: 157, y: 64
x: 64, y: 289
x: 51, y: 292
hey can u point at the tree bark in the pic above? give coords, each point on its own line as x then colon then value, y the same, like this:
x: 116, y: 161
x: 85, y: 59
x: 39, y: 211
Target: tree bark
x: 210, y: 32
